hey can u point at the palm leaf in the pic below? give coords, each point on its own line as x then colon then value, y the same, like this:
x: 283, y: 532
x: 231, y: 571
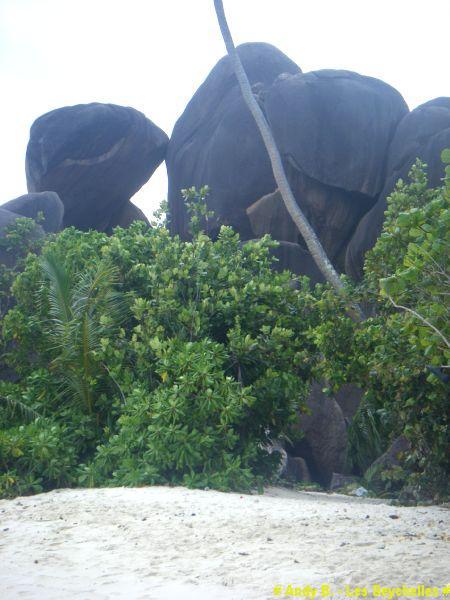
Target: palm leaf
x: 60, y: 297
x: 14, y: 406
x: 365, y: 437
x: 93, y: 286
x: 76, y: 326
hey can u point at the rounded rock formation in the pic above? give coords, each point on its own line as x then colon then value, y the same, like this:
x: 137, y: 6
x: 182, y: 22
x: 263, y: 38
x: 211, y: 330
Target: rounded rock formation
x: 127, y: 215
x: 30, y: 205
x: 324, y: 442
x: 95, y: 156
x: 333, y: 130
x: 215, y: 142
x: 423, y: 133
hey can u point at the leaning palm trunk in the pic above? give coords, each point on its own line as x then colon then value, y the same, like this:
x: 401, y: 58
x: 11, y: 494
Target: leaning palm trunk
x: 314, y: 246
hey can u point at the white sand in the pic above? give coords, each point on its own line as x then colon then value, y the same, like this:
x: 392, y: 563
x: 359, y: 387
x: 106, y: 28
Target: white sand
x: 174, y: 543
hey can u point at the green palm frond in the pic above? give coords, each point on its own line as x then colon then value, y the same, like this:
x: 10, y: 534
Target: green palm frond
x: 72, y: 387
x: 365, y: 436
x: 60, y: 296
x: 13, y: 406
x: 93, y: 287
x: 77, y: 305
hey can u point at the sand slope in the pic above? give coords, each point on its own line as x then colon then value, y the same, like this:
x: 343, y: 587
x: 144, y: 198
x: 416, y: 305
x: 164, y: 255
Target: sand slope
x: 170, y: 543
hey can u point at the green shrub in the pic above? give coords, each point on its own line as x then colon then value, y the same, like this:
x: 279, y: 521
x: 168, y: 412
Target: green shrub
x: 35, y: 457
x: 17, y: 241
x: 208, y: 357
x: 195, y: 427
x: 400, y: 355
x: 146, y: 359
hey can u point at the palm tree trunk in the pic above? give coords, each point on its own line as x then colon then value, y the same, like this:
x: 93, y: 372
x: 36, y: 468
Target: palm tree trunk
x: 313, y: 243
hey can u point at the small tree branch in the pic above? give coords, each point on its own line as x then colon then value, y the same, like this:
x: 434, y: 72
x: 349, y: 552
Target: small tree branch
x: 114, y: 381
x: 425, y: 321
x: 312, y: 242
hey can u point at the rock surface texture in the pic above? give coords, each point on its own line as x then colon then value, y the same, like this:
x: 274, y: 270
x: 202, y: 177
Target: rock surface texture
x: 423, y: 133
x: 30, y: 205
x: 128, y: 213
x: 324, y: 445
x: 216, y: 143
x: 345, y: 139
x: 95, y: 156
x: 333, y: 130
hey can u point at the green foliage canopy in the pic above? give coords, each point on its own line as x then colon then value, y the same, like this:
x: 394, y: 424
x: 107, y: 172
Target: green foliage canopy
x: 146, y: 359
x: 157, y: 360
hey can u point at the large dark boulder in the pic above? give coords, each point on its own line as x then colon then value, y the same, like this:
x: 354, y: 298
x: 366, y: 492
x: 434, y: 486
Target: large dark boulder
x: 349, y: 398
x: 6, y: 218
x: 296, y: 259
x: 393, y: 457
x: 332, y: 212
x: 333, y: 130
x: 128, y: 213
x: 268, y: 215
x: 324, y: 445
x: 215, y: 142
x: 423, y: 133
x: 292, y: 257
x: 297, y: 470
x: 335, y: 126
x: 30, y: 205
x: 95, y: 156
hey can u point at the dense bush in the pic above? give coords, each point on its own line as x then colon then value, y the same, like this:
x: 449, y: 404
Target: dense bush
x: 154, y: 360
x: 17, y: 242
x: 145, y: 359
x: 401, y: 355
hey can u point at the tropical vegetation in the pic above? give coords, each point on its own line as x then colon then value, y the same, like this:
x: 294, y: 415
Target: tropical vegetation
x: 139, y: 358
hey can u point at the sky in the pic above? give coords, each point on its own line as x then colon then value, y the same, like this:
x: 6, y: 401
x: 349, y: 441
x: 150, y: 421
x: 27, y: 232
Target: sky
x: 153, y: 54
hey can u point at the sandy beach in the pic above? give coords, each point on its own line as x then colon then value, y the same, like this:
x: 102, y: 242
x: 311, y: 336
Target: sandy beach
x: 170, y: 543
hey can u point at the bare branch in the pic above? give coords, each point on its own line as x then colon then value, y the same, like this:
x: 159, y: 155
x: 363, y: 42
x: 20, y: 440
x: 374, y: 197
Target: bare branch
x: 425, y: 321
